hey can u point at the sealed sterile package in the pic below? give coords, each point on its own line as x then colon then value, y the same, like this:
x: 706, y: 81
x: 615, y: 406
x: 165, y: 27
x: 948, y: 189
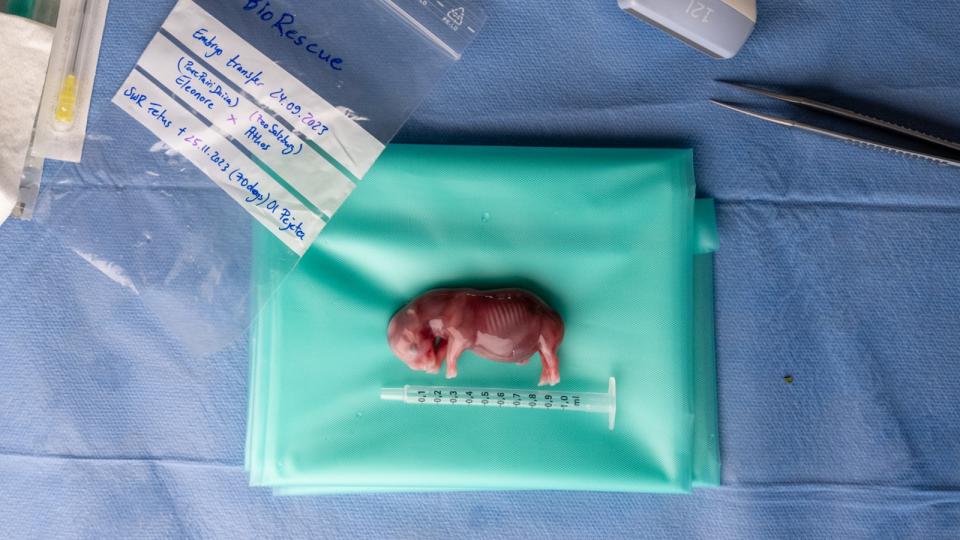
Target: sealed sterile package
x: 243, y: 117
x: 613, y: 240
x: 60, y: 127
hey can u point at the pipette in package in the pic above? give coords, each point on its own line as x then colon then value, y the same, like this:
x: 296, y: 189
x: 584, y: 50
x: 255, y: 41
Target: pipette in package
x: 504, y: 398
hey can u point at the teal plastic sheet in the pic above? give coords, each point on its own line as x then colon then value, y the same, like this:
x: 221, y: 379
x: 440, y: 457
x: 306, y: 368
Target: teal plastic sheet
x: 611, y: 238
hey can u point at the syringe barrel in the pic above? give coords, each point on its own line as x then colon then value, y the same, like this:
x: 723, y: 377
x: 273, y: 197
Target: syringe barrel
x: 392, y: 394
x: 594, y: 402
x: 591, y: 402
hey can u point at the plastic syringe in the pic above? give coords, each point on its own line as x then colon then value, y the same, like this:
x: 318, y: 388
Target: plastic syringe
x: 466, y: 396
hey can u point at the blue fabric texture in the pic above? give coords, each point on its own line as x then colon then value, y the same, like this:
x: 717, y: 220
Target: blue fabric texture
x: 838, y: 268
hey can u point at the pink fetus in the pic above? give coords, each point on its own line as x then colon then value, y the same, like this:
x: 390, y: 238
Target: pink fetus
x: 504, y: 325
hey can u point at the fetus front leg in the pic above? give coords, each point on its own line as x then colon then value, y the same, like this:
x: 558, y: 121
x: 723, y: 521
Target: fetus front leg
x: 455, y: 347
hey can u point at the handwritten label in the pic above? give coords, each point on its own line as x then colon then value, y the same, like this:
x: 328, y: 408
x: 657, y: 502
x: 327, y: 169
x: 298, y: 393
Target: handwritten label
x: 338, y: 133
x: 201, y: 85
x: 268, y: 138
x: 242, y: 179
x: 283, y: 23
x: 275, y: 146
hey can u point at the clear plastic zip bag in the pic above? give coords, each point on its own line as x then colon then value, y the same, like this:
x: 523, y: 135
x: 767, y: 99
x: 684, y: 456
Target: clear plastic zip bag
x: 283, y: 106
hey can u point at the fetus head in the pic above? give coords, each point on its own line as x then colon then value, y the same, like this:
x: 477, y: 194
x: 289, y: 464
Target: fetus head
x: 412, y: 341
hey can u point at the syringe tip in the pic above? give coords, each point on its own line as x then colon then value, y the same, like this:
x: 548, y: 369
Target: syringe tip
x: 612, y: 393
x: 391, y: 394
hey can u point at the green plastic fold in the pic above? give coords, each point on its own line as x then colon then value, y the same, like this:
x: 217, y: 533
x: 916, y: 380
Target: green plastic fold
x: 609, y: 237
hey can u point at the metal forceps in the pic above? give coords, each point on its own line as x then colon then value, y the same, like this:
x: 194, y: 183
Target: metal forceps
x: 941, y: 145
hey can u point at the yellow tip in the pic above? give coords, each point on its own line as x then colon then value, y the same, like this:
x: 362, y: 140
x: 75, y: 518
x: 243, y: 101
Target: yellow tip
x: 68, y: 100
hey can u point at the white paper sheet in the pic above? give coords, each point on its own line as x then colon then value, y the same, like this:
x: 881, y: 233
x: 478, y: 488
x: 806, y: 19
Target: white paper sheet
x: 25, y: 49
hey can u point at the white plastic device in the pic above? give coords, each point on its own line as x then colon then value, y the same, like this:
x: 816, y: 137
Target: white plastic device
x: 718, y: 28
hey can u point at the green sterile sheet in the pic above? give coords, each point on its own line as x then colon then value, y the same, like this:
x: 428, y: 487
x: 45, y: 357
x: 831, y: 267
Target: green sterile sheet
x: 608, y: 237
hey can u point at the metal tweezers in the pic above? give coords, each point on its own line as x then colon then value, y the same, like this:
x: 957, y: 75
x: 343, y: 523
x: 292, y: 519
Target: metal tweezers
x: 944, y: 158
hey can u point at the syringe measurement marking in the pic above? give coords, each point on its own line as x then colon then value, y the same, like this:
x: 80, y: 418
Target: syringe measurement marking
x: 506, y: 398
x: 469, y: 397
